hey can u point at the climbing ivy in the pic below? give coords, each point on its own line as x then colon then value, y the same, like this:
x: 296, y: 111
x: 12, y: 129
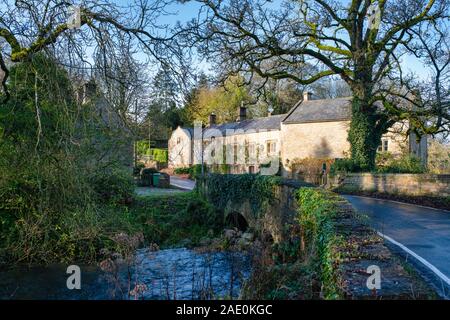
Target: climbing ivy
x: 317, y: 213
x: 257, y: 189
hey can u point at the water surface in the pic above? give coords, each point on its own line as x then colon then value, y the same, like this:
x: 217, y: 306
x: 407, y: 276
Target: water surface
x: 166, y: 274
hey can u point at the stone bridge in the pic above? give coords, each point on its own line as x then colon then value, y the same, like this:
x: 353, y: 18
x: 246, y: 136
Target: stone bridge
x: 360, y: 244
x: 270, y: 219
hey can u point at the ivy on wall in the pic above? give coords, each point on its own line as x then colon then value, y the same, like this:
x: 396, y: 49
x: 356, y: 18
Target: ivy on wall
x: 257, y: 189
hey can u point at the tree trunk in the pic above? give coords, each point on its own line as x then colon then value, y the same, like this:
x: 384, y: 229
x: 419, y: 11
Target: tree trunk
x: 364, y: 137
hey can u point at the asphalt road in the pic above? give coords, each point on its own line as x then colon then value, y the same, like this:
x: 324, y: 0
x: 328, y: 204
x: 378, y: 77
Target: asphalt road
x: 424, y: 231
x: 182, y: 183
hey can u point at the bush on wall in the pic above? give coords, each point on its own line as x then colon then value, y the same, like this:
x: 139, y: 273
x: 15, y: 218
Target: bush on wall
x: 258, y: 189
x: 194, y: 171
x: 404, y: 164
x: 386, y: 163
x: 343, y: 166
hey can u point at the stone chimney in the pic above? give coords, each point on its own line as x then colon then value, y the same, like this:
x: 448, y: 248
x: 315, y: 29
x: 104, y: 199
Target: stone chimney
x: 242, y: 113
x: 212, y: 119
x: 307, y: 96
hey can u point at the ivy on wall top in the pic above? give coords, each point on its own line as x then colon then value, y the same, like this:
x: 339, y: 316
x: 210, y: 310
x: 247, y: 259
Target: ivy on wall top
x: 257, y: 189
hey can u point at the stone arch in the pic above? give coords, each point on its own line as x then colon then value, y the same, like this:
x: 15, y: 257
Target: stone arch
x: 240, y: 212
x: 236, y: 220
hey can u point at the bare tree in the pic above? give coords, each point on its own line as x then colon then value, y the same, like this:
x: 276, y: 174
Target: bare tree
x: 31, y: 26
x: 358, y: 40
x: 433, y: 48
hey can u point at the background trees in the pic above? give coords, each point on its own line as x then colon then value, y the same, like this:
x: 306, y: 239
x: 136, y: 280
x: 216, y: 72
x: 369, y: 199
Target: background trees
x: 222, y: 100
x: 360, y: 41
x: 60, y: 149
x: 53, y: 149
x: 31, y: 26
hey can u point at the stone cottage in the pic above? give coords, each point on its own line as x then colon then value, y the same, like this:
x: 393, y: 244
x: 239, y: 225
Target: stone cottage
x: 314, y: 129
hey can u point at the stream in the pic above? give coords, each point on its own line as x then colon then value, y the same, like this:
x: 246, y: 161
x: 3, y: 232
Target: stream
x: 182, y: 274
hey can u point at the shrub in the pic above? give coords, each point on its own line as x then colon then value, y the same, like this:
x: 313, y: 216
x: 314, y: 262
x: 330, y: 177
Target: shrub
x: 386, y: 163
x: 223, y: 188
x: 112, y: 184
x: 383, y: 159
x: 137, y: 169
x: 405, y: 164
x: 182, y: 170
x: 199, y: 212
x: 196, y: 171
x: 160, y: 155
x: 222, y: 168
x: 142, y: 148
x: 344, y: 165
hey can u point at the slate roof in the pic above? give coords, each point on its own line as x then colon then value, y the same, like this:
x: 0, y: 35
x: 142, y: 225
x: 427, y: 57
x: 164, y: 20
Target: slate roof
x: 191, y: 131
x: 258, y: 124
x: 320, y: 110
x: 303, y: 112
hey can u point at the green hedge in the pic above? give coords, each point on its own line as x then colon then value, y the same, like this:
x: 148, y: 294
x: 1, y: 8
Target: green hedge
x: 194, y: 171
x: 386, y: 163
x: 183, y: 170
x: 405, y: 164
x: 112, y: 184
x: 344, y: 165
x: 159, y: 155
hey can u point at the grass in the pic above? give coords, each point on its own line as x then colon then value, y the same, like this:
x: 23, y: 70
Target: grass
x: 167, y: 220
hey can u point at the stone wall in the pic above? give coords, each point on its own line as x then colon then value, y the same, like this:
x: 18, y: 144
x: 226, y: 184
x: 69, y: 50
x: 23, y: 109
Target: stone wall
x: 314, y: 140
x: 407, y: 184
